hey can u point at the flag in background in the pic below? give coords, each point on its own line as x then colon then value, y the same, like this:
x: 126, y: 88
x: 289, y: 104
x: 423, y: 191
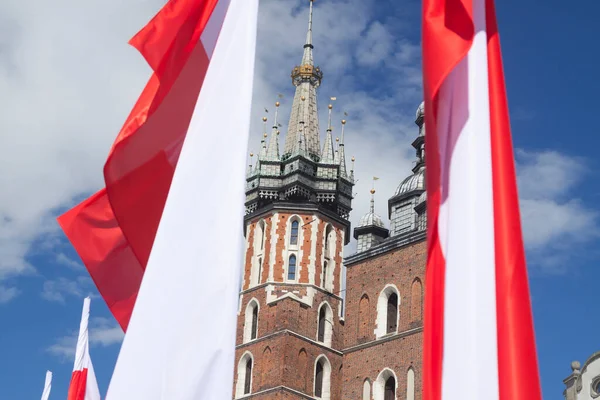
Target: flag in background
x: 83, y: 380
x: 47, y: 386
x: 478, y: 320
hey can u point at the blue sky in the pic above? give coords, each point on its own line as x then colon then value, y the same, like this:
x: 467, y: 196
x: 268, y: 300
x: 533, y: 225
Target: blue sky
x: 68, y: 80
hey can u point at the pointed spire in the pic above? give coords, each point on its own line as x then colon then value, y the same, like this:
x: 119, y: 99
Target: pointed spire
x: 307, y: 58
x: 273, y: 149
x: 342, y: 154
x: 327, y: 156
x: 373, y: 200
x: 263, y: 142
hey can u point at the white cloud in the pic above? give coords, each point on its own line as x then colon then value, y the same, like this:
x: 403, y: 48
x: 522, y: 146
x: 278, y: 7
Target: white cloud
x: 8, y: 293
x: 103, y: 332
x: 58, y: 290
x: 555, y: 218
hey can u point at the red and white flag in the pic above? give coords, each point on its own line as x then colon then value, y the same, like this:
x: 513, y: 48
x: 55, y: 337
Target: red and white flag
x: 47, y: 386
x: 478, y: 336
x: 83, y: 381
x: 162, y: 234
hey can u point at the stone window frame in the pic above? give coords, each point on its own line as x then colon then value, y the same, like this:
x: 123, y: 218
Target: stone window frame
x: 328, y: 258
x: 382, y: 307
x: 328, y: 334
x: 293, y: 249
x: 259, y: 253
x: 241, y: 375
x: 595, y: 382
x: 367, y: 381
x: 379, y: 384
x: 326, y: 388
x: 247, y: 335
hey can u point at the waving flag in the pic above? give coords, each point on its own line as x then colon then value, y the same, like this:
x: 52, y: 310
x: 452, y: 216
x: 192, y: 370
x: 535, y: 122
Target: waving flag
x: 83, y: 381
x: 115, y: 229
x: 478, y: 320
x: 159, y: 236
x: 47, y: 386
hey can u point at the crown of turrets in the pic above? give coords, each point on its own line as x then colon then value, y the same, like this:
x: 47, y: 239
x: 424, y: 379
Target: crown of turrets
x: 307, y: 73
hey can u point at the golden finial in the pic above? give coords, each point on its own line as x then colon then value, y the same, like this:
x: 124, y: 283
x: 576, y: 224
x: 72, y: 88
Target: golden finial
x: 264, y: 135
x: 277, y: 104
x: 251, y: 154
x: 353, y: 159
x: 343, y: 122
x: 330, y: 106
x: 264, y: 119
x: 337, y: 139
x: 302, y: 98
x: 278, y: 132
x: 372, y: 191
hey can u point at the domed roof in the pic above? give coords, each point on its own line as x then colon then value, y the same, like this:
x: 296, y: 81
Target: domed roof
x: 413, y: 182
x: 371, y: 219
x: 421, y: 110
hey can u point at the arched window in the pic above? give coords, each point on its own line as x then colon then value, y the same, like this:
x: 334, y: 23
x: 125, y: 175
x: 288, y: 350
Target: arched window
x: 410, y: 384
x: 325, y: 324
x: 392, y: 313
x: 294, y: 233
x: 319, y: 380
x: 321, y: 331
x: 366, y: 390
x: 387, y: 311
x: 259, y: 271
x: 384, y: 387
x: 322, y: 379
x: 390, y: 389
x: 324, y: 285
x: 416, y: 301
x: 251, y: 321
x: 254, y: 328
x: 248, y: 377
x: 292, y: 268
x: 244, y: 375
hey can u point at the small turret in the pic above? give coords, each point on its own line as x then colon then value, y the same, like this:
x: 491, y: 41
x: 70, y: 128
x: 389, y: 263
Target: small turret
x: 371, y: 230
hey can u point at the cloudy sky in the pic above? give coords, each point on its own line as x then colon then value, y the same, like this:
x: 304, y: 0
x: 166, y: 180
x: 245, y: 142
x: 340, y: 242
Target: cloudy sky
x: 68, y: 79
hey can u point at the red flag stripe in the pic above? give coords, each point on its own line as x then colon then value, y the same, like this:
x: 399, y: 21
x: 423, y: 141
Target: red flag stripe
x: 108, y: 257
x: 78, y: 385
x: 516, y: 338
x: 147, y: 149
x: 447, y: 37
x: 114, y: 230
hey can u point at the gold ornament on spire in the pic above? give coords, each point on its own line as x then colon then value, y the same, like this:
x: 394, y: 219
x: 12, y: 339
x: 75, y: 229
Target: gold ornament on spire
x: 264, y: 119
x: 330, y: 106
x: 343, y: 122
x: 277, y: 104
x: 372, y: 191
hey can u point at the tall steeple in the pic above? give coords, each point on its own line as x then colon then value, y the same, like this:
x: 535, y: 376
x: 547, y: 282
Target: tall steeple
x: 306, y: 78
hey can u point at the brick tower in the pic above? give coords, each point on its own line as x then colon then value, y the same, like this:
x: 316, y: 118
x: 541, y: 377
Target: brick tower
x: 384, y: 294
x: 290, y: 338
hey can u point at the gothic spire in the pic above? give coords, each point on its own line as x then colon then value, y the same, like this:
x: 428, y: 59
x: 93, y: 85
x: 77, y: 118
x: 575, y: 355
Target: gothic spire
x: 327, y: 154
x: 273, y: 149
x: 306, y: 77
x: 342, y: 155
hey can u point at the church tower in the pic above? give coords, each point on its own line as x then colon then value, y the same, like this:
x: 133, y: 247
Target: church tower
x: 384, y: 294
x: 290, y: 317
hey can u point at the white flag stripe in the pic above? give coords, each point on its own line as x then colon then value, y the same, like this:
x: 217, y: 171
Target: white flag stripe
x: 466, y: 224
x: 180, y: 342
x: 82, y: 340
x: 47, y: 386
x: 213, y: 27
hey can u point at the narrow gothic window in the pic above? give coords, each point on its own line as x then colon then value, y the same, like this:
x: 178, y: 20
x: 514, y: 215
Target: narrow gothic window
x: 325, y: 275
x: 292, y: 268
x: 248, y: 377
x: 321, y: 329
x: 390, y: 389
x: 259, y: 271
x: 319, y: 380
x: 294, y: 234
x: 392, y: 313
x: 254, y: 331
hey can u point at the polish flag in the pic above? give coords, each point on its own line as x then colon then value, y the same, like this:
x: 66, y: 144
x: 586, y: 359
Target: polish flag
x: 114, y: 230
x: 165, y: 234
x: 83, y: 381
x: 478, y: 335
x: 47, y: 386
